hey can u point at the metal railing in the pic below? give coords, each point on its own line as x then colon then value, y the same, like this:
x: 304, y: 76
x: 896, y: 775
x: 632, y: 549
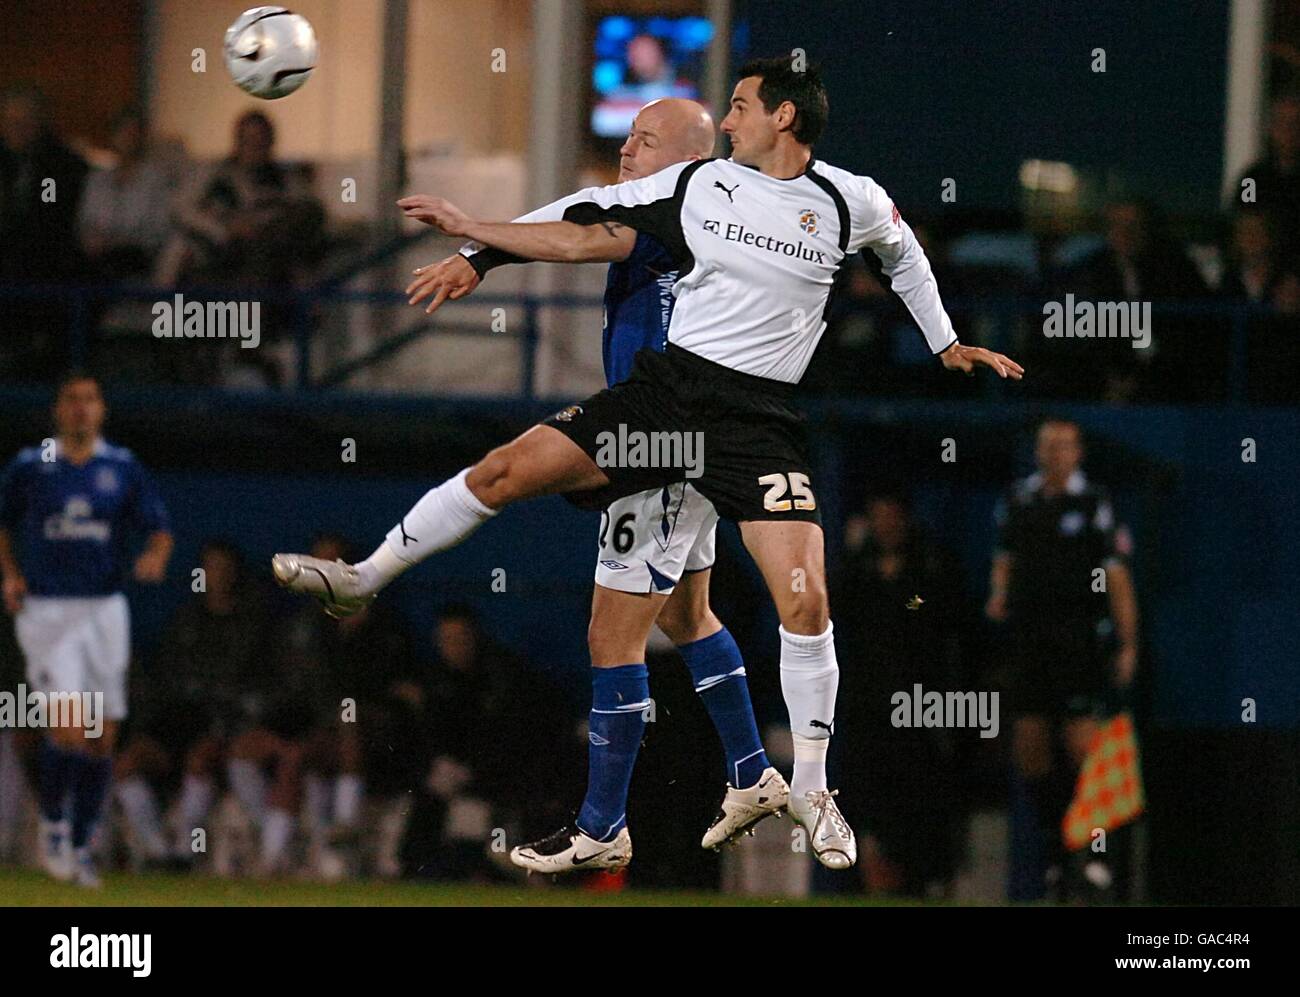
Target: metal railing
x: 81, y: 302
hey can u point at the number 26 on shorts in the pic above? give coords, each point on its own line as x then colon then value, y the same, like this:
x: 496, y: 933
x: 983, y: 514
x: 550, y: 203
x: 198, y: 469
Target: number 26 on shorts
x: 795, y: 483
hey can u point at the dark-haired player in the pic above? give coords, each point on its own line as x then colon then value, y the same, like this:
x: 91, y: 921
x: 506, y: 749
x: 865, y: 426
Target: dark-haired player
x: 758, y: 241
x: 68, y: 510
x: 656, y: 548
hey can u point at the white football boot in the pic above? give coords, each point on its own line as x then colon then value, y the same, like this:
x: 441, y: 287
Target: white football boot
x: 829, y: 834
x: 334, y: 583
x: 743, y: 808
x: 570, y: 850
x: 56, y: 849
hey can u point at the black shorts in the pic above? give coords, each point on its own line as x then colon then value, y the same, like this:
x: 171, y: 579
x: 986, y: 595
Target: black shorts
x: 1058, y: 672
x: 735, y: 437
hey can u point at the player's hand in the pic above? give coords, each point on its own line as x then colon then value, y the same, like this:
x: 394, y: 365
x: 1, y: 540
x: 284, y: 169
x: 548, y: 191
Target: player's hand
x: 15, y: 589
x: 448, y: 279
x: 436, y: 211
x: 151, y: 567
x: 1124, y: 665
x: 967, y: 358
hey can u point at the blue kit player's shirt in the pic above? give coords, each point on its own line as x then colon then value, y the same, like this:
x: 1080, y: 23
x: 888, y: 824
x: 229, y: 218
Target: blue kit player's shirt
x: 71, y: 526
x: 638, y: 306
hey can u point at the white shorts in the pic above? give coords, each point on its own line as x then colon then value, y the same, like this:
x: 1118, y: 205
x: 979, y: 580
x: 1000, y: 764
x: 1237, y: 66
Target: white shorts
x: 649, y: 540
x: 77, y: 645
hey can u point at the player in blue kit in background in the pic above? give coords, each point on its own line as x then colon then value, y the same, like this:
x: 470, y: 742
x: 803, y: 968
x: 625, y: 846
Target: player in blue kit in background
x: 657, y: 545
x: 69, y: 510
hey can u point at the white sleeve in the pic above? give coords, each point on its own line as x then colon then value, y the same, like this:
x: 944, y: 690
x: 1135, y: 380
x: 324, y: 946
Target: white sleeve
x: 650, y: 204
x: 876, y: 225
x: 485, y: 258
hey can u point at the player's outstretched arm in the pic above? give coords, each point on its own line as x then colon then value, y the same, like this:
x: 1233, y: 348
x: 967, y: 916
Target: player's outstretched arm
x: 967, y: 358
x: 559, y: 242
x: 548, y: 242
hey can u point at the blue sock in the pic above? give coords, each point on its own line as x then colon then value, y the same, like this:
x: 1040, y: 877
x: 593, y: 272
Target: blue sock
x: 55, y: 769
x: 718, y: 672
x: 619, y: 699
x: 92, y: 775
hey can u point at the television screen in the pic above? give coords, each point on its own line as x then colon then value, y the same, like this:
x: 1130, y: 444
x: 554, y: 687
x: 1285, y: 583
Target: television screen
x: 640, y: 58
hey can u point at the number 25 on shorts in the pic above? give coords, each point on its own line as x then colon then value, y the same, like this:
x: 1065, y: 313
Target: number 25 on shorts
x: 779, y: 484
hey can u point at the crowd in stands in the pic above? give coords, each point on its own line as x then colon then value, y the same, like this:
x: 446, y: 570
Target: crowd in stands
x: 266, y: 738
x: 251, y: 221
x: 246, y: 222
x: 1197, y: 335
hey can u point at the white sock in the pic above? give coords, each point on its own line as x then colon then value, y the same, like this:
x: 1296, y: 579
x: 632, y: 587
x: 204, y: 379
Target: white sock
x: 444, y: 517
x: 809, y: 765
x: 249, y: 785
x: 347, y: 799
x: 809, y: 680
x: 277, y: 832
x: 141, y: 810
x: 197, y: 792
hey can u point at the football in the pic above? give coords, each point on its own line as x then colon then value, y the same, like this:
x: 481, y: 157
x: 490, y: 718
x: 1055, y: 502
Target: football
x: 270, y: 51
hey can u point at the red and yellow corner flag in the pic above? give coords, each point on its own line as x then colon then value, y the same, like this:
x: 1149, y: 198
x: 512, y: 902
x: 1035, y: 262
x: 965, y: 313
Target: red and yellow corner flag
x: 1109, y: 791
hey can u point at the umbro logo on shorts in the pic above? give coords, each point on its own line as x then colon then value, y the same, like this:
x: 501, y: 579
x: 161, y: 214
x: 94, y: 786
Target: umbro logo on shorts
x: 614, y: 565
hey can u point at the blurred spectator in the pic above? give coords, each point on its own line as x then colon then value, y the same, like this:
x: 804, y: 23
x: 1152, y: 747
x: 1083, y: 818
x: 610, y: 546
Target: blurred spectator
x: 253, y: 221
x: 125, y: 211
x: 1140, y: 262
x: 37, y: 217
x: 16, y: 748
x: 1256, y: 274
x: 853, y: 356
x: 1072, y: 643
x: 199, y: 693
x: 335, y: 725
x: 1277, y: 176
x: 498, y: 733
x: 1255, y: 271
x: 40, y: 187
x: 900, y: 611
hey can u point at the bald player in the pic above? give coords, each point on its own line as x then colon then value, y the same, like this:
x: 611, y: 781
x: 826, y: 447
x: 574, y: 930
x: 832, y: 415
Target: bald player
x: 656, y: 548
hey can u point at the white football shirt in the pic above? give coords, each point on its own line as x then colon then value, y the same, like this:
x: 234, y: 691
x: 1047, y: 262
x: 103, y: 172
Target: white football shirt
x: 758, y: 257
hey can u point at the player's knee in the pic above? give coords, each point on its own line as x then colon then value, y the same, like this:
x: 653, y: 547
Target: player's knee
x: 687, y: 622
x: 599, y: 640
x: 608, y: 646
x: 493, y: 479
x: 807, y: 612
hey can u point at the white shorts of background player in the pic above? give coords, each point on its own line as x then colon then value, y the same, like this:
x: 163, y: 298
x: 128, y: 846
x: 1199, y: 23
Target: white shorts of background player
x: 77, y: 645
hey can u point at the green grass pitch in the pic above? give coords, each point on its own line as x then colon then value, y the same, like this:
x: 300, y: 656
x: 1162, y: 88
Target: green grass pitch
x: 26, y: 888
